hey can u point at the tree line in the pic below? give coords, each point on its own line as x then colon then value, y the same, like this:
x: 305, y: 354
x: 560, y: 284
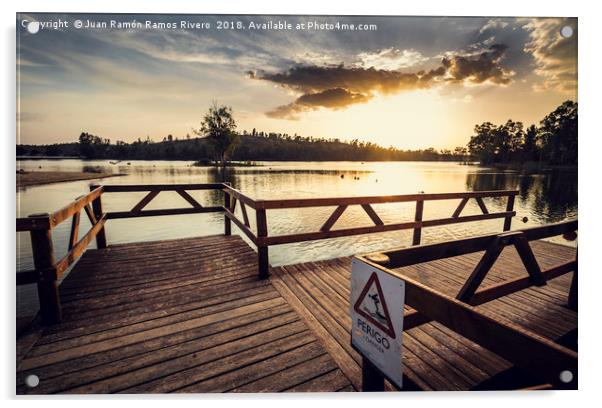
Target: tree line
x: 554, y: 141
x: 217, y: 140
x: 264, y: 146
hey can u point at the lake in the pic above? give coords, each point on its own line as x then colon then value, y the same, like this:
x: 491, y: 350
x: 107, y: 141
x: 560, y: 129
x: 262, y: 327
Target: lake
x: 545, y: 198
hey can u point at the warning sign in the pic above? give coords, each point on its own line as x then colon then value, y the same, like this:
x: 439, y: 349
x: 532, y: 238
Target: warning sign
x: 372, y: 306
x: 377, y: 300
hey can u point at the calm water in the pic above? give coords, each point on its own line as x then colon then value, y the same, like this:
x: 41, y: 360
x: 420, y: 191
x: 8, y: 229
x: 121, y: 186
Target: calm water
x: 543, y: 199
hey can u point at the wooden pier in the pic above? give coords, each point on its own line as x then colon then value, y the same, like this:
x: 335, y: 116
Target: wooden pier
x: 208, y: 314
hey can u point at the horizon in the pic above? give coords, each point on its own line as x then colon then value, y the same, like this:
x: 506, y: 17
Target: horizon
x: 437, y: 76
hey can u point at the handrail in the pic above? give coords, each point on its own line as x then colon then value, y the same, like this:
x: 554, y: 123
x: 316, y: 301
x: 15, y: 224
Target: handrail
x: 313, y: 236
x: 534, y: 353
x: 359, y: 200
x: 237, y: 194
x: 115, y: 188
x: 460, y: 315
x: 492, y: 244
x: 263, y: 240
x: 404, y: 256
x: 47, y: 271
x: 79, y: 247
x: 153, y: 191
x: 29, y: 223
x: 42, y: 225
x: 67, y: 211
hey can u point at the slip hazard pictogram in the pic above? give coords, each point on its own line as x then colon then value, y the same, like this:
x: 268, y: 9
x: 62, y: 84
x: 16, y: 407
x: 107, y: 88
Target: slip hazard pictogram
x: 372, y: 306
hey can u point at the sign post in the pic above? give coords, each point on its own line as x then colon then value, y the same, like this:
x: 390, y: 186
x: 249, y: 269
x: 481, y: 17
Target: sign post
x: 376, y: 308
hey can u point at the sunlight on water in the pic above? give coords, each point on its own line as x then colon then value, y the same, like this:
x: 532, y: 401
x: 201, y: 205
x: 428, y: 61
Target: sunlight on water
x: 543, y: 199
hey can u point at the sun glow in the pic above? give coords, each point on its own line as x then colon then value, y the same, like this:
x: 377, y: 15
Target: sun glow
x: 409, y: 120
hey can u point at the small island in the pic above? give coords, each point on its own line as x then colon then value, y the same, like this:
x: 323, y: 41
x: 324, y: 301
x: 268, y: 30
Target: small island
x: 35, y: 178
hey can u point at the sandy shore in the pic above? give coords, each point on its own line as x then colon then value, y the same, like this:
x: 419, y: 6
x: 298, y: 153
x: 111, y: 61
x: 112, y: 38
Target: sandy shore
x: 35, y: 178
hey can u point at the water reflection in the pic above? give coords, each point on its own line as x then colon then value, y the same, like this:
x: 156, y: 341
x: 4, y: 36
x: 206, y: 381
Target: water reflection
x: 550, y: 197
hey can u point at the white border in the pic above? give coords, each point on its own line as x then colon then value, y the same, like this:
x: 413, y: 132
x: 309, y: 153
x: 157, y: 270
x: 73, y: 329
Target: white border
x: 589, y: 180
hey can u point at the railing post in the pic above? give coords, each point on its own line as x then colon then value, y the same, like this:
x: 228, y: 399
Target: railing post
x: 227, y: 222
x: 573, y: 298
x: 262, y: 249
x: 509, y: 207
x: 372, y: 378
x: 101, y: 238
x: 418, y: 218
x: 43, y: 259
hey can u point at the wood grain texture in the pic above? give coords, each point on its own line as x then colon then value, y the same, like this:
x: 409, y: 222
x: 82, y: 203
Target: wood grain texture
x: 435, y: 357
x: 191, y: 315
x: 186, y: 315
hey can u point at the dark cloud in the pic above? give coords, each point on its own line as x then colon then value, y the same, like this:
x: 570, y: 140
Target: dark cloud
x: 338, y: 86
x: 312, y: 78
x: 485, y: 66
x: 335, y: 98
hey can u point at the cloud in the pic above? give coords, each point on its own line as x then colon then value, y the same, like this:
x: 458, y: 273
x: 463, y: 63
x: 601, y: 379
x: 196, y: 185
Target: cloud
x: 338, y: 86
x: 495, y: 23
x: 480, y: 68
x: 555, y: 56
x: 335, y: 98
x: 391, y: 59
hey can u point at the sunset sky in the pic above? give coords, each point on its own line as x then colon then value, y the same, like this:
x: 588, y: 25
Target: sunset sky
x: 414, y: 82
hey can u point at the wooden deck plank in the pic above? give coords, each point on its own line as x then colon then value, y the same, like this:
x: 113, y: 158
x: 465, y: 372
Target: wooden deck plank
x: 195, y: 372
x: 100, y: 366
x: 164, y: 306
x: 296, y: 375
x: 282, y: 313
x: 137, y: 316
x: 95, y: 344
x: 335, y: 333
x: 190, y: 315
x: 435, y: 357
x: 170, y: 375
x: 331, y: 381
x: 338, y: 307
x: 257, y: 371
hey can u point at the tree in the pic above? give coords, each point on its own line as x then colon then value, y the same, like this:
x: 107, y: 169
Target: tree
x: 92, y: 146
x: 559, y: 134
x: 483, y: 144
x: 554, y: 142
x: 530, y: 149
x: 496, y: 144
x: 219, y: 129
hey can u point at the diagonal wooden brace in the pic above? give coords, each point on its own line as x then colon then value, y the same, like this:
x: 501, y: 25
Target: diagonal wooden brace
x: 372, y: 214
x: 484, y: 266
x: 189, y: 198
x: 147, y: 199
x: 336, y: 214
x: 528, y: 258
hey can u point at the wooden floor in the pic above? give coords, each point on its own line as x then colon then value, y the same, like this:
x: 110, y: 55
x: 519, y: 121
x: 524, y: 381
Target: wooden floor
x: 190, y: 315
x: 187, y: 315
x: 434, y: 357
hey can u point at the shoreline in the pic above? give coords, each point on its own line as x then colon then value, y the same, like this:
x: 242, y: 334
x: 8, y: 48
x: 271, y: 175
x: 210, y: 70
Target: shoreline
x: 37, y: 178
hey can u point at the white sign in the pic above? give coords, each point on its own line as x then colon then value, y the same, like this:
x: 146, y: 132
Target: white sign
x: 376, y: 307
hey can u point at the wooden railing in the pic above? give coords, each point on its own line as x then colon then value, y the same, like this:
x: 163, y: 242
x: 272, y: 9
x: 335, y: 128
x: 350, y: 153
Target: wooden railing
x: 263, y: 240
x: 153, y: 190
x: 48, y: 271
x: 460, y: 315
